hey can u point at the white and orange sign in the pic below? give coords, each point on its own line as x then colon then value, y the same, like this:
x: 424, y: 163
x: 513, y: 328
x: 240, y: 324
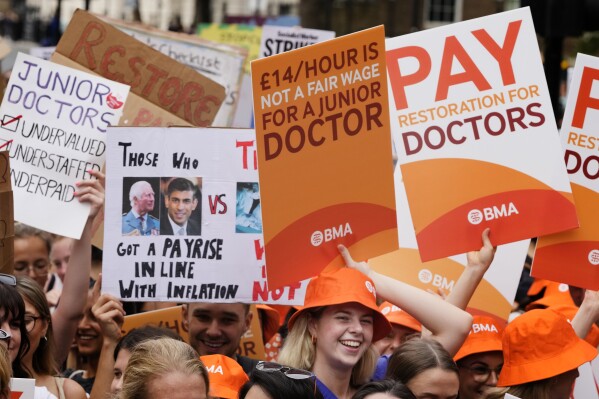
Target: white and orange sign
x: 572, y: 257
x: 494, y: 295
x: 324, y: 149
x: 475, y: 135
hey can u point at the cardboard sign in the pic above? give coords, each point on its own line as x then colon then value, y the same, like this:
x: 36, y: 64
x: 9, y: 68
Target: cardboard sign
x: 220, y: 258
x: 251, y: 344
x: 22, y: 388
x: 246, y: 36
x: 324, y: 150
x: 55, y: 119
x: 494, y: 295
x: 220, y: 62
x: 572, y: 257
x: 163, y: 91
x: 280, y: 39
x: 7, y: 218
x: 475, y: 134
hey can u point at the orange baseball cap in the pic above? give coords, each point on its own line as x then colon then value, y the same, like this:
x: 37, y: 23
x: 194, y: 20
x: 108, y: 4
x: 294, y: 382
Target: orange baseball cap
x: 396, y: 315
x: 225, y: 375
x: 541, y: 344
x: 485, y: 336
x: 272, y: 322
x: 344, y: 285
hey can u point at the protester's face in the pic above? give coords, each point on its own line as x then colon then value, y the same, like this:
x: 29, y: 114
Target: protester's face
x: 60, y: 254
x: 396, y: 337
x: 561, y: 385
x: 32, y: 259
x: 13, y: 327
x: 89, y: 335
x: 36, y: 327
x: 343, y: 333
x: 435, y: 383
x: 474, y: 381
x: 216, y: 328
x: 176, y: 385
x: 256, y: 392
x: 119, y: 369
x: 145, y: 201
x: 180, y: 204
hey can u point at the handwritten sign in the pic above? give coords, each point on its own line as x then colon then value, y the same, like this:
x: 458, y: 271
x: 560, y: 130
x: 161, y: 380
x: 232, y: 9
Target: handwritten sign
x: 163, y: 91
x: 475, y: 134
x: 7, y: 218
x: 213, y: 180
x: 56, y: 118
x: 572, y: 257
x: 220, y: 62
x: 324, y: 150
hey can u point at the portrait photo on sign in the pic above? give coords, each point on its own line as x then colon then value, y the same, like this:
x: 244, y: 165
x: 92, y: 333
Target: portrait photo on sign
x: 141, y: 215
x: 248, y: 212
x: 181, y: 206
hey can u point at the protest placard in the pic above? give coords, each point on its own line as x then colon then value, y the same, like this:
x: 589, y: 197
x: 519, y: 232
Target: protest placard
x: 220, y: 62
x: 55, y: 119
x: 246, y: 36
x: 324, y: 149
x: 475, y: 134
x: 572, y: 257
x: 22, y: 388
x: 164, y: 92
x: 251, y: 344
x: 279, y: 39
x: 7, y: 217
x: 494, y: 295
x: 220, y: 258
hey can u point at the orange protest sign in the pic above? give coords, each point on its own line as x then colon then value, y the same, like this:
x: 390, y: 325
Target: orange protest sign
x: 324, y: 150
x: 572, y: 257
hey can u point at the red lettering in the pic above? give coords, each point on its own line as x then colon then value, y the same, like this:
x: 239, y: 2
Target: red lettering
x: 399, y: 82
x: 107, y: 62
x: 502, y: 55
x: 584, y: 101
x: 85, y: 43
x: 157, y: 74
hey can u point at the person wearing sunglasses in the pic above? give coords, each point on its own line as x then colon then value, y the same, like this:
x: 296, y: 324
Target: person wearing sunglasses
x: 12, y: 321
x: 271, y: 380
x: 332, y: 334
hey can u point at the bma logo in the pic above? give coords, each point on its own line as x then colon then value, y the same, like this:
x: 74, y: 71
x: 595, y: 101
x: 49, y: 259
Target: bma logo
x: 594, y: 257
x: 426, y: 276
x: 476, y: 328
x: 213, y: 368
x: 370, y: 288
x: 318, y: 237
x: 476, y: 216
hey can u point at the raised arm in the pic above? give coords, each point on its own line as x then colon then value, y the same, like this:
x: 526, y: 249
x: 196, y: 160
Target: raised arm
x: 448, y: 324
x: 478, y: 263
x: 76, y: 282
x: 587, y: 315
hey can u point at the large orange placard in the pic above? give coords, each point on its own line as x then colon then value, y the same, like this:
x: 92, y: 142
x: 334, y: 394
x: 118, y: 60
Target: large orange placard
x: 324, y: 152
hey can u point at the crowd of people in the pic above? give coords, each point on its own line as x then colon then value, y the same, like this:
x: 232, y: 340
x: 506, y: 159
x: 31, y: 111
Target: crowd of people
x: 359, y: 334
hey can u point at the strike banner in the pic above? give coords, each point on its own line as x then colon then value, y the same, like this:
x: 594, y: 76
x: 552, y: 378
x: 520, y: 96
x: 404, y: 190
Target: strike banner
x: 220, y: 62
x: 183, y: 218
x: 324, y: 149
x: 279, y: 39
x: 572, y: 257
x: 475, y: 134
x: 494, y: 295
x: 164, y: 92
x: 54, y: 120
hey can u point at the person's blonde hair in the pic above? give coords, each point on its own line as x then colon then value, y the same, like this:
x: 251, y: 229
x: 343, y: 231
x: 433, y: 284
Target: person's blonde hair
x: 157, y: 358
x: 531, y: 390
x: 5, y: 373
x: 299, y: 351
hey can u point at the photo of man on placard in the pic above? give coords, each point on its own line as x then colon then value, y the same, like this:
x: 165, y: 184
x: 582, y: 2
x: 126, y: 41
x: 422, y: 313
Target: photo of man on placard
x: 182, y: 216
x: 139, y: 217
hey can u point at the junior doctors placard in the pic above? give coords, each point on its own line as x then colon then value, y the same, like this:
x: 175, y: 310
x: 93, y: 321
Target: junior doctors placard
x: 475, y: 135
x: 572, y: 257
x: 324, y: 150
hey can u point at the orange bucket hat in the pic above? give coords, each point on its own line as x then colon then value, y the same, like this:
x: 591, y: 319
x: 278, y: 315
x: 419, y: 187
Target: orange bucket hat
x: 271, y: 323
x: 225, y: 375
x: 396, y: 315
x: 343, y: 286
x: 485, y: 336
x: 541, y: 344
